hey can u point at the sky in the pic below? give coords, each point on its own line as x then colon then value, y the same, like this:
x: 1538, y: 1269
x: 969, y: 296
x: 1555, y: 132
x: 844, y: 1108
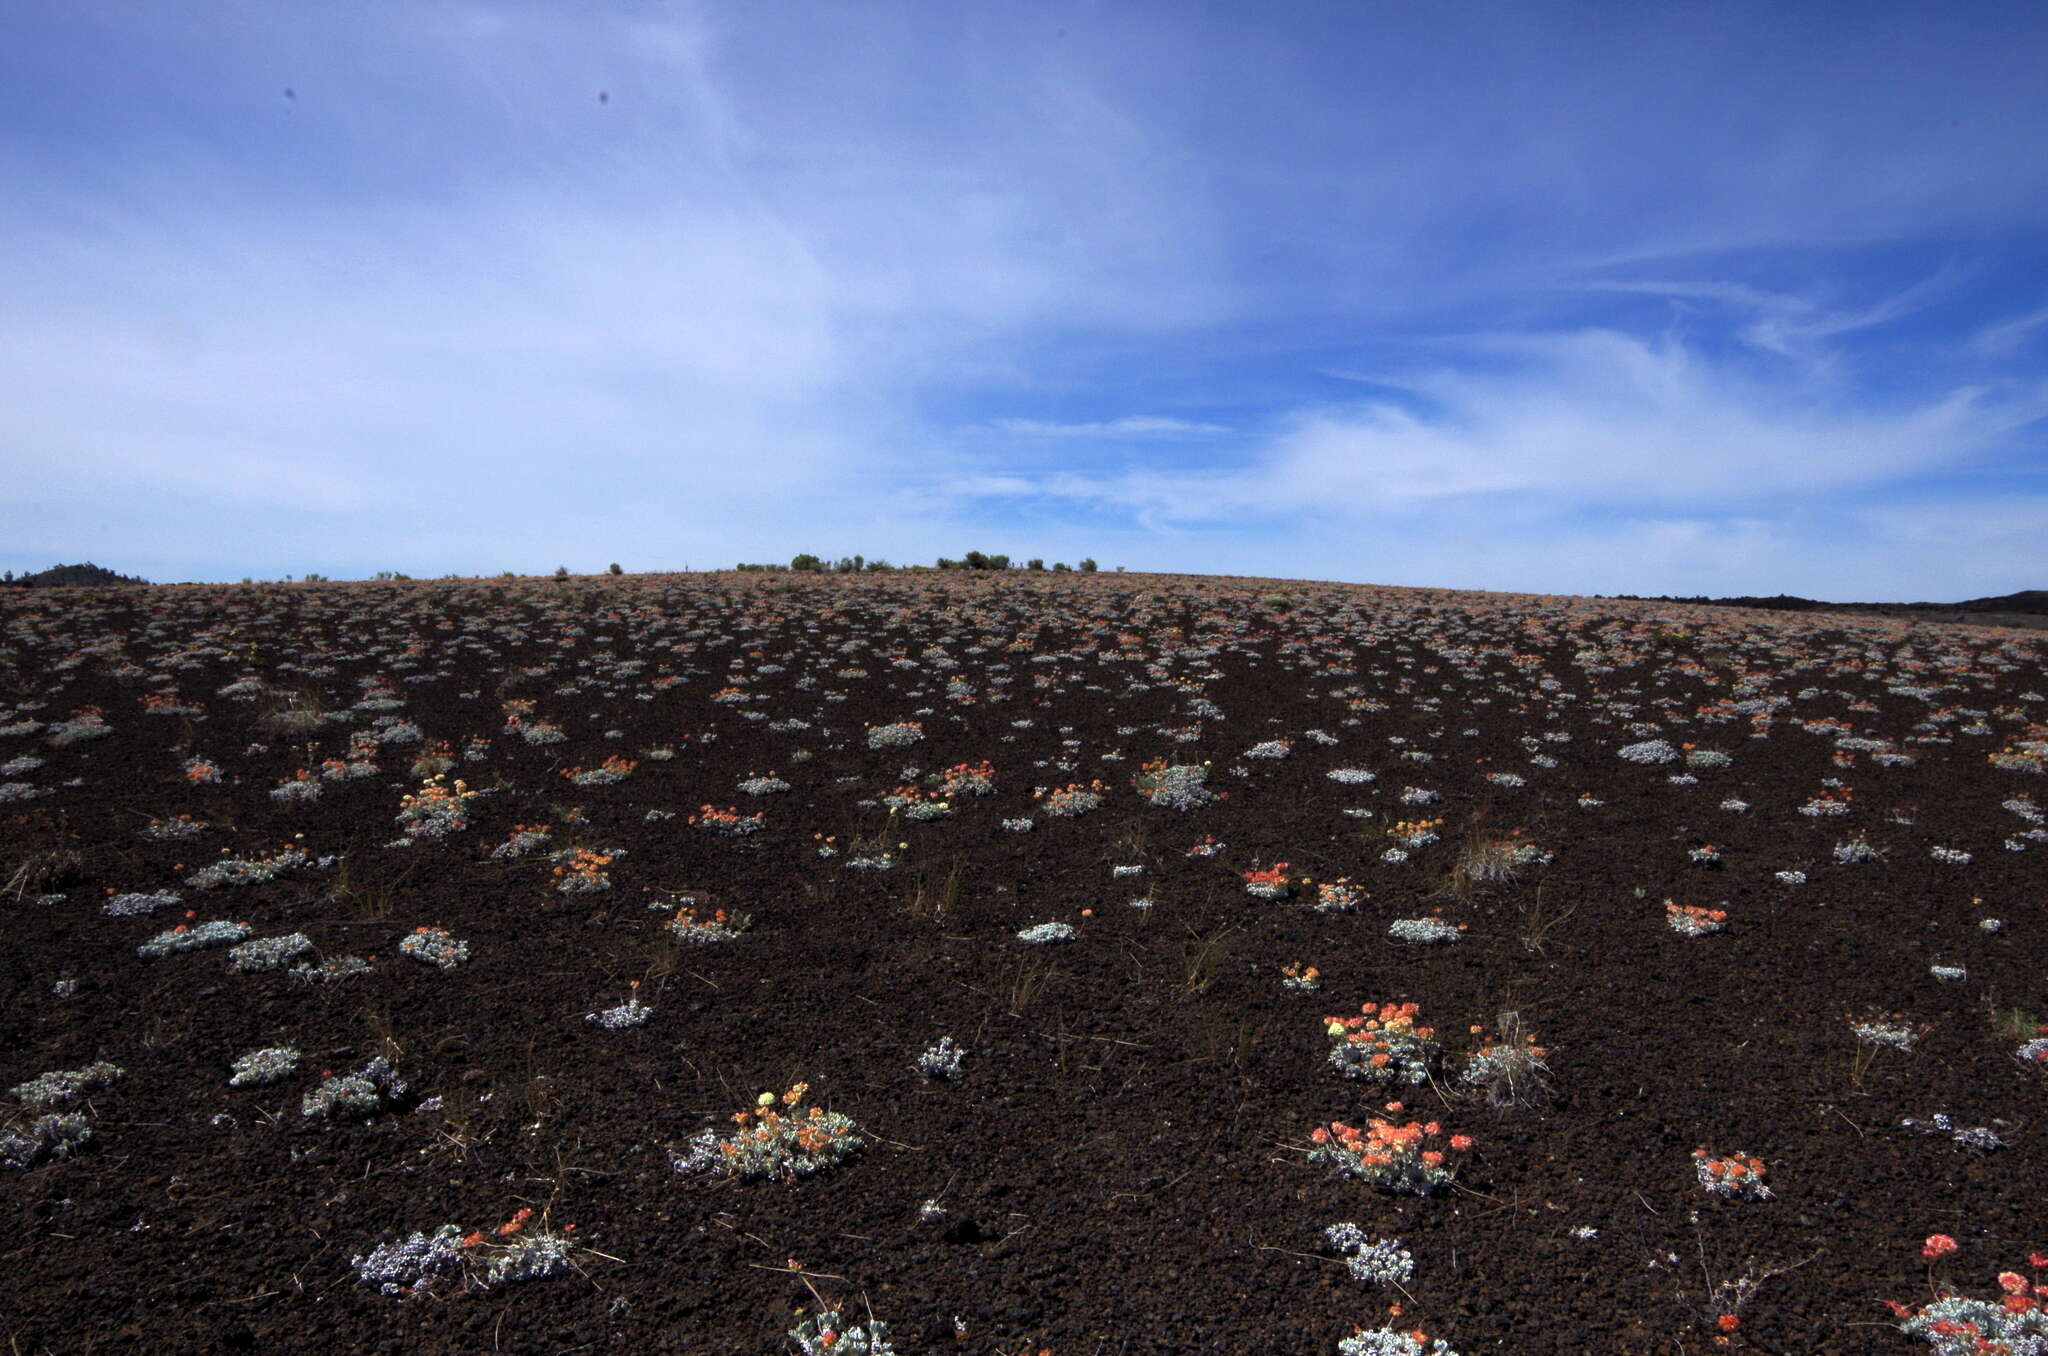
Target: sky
x: 1536, y: 297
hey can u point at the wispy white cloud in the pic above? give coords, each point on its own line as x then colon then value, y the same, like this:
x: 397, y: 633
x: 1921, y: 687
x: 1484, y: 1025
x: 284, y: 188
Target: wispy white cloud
x: 2007, y: 336
x: 1788, y: 324
x: 1592, y: 419
x: 1130, y: 426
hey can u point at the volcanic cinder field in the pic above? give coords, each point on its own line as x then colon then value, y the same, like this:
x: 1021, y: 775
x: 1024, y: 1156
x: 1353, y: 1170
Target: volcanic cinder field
x: 405, y: 966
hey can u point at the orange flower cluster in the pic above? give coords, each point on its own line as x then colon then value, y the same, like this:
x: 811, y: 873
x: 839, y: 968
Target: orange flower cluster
x: 1379, y: 1024
x: 1693, y: 919
x: 614, y: 768
x: 1526, y: 1045
x: 2021, y: 1309
x: 1276, y: 874
x: 728, y: 820
x: 767, y: 1125
x: 1736, y: 1175
x: 583, y: 866
x: 971, y: 779
x: 688, y: 919
x: 1388, y: 1154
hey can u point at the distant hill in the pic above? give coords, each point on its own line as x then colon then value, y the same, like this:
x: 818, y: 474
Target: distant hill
x: 87, y: 575
x: 2028, y: 607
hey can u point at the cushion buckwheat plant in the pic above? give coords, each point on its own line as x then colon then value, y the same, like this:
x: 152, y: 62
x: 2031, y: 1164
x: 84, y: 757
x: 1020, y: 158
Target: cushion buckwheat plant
x: 437, y: 809
x: 2034, y: 1053
x: 728, y: 822
x: 134, y: 902
x: 1738, y: 1176
x: 826, y: 1334
x: 1509, y: 1070
x: 269, y: 953
x: 1424, y: 931
x: 56, y: 1135
x: 62, y: 1087
x: 1071, y: 801
x: 247, y: 870
x: 918, y: 805
x: 900, y: 735
x: 434, y: 946
x: 941, y: 1060
x: 1889, y: 1030
x: 1383, y: 1045
x: 1393, y: 1342
x: 2014, y: 1324
x: 261, y: 1068
x: 1693, y: 920
x: 630, y: 1013
x: 425, y: 1264
x: 1371, y: 1261
x: 774, y: 1144
x: 186, y: 937
x: 524, y: 838
x: 581, y: 871
x: 966, y: 779
x: 1301, y: 978
x: 1174, y: 786
x: 698, y: 928
x: 1337, y: 896
x: 373, y: 1088
x: 613, y: 770
x: 1269, y: 883
x: 1389, y: 1156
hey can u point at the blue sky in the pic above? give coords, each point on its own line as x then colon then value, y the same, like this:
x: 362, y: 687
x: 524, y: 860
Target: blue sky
x: 1534, y: 297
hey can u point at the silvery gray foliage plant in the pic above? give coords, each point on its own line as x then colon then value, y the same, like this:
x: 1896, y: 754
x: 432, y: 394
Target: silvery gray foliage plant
x: 333, y: 971
x: 1177, y: 786
x: 900, y: 735
x: 269, y: 953
x: 435, y: 946
x: 373, y: 1088
x: 942, y: 1060
x: 56, y: 1135
x: 65, y: 1086
x: 630, y: 1013
x: 261, y: 1068
x: 1650, y: 751
x: 187, y: 938
x: 296, y: 792
x: 530, y: 1257
x: 1956, y: 1326
x: 1389, y: 1342
x: 1047, y: 932
x: 246, y: 871
x: 133, y: 903
x: 1423, y: 931
x: 1373, y: 1261
x: 415, y: 1264
x: 823, y: 1334
x: 1981, y: 1137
